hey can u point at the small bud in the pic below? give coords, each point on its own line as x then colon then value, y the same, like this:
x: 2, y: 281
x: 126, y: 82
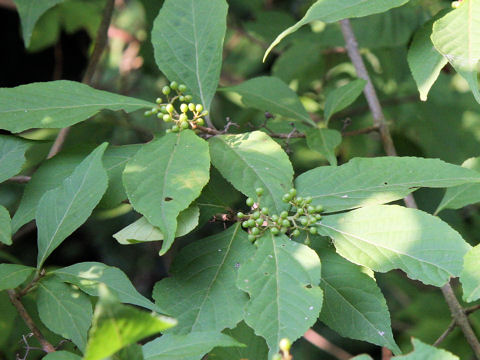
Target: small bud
x: 199, y: 108
x: 166, y: 90
x: 184, y: 108
x: 174, y: 85
x: 182, y: 88
x: 285, y: 345
x: 159, y: 100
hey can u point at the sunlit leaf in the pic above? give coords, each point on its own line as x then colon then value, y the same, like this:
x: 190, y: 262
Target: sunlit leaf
x: 342, y: 97
x: 324, y: 141
x: 470, y: 276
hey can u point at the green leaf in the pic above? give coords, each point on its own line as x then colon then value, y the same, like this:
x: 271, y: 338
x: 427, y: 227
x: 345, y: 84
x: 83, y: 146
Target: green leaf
x: 57, y: 104
x: 256, y: 346
x: 362, y: 357
x: 331, y: 11
x: 387, y: 237
x: 64, y: 310
x: 201, y: 291
x: 271, y: 94
x: 50, y: 175
x: 142, y: 231
x: 13, y: 275
x: 30, y: 12
x: 131, y: 352
x: 426, y: 352
x: 164, y: 177
x: 114, y: 161
x: 342, y: 97
x: 463, y: 195
x: 5, y: 227
x: 324, y: 141
x: 282, y: 274
x: 353, y: 304
x: 116, y: 326
x: 370, y: 181
x: 424, y: 60
x: 457, y: 37
x: 254, y: 160
x: 470, y: 276
x: 62, y: 210
x: 88, y: 275
x: 185, y: 347
x: 12, y: 155
x: 187, y: 37
x: 62, y: 355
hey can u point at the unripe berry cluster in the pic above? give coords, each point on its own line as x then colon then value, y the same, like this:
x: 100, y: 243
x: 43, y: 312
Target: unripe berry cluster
x: 188, y: 115
x: 303, y: 217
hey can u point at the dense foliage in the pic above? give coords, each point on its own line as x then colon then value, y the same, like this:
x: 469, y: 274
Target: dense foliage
x: 250, y: 202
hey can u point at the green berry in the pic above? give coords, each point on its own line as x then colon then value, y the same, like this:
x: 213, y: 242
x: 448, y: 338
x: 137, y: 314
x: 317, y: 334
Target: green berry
x: 154, y: 111
x: 300, y: 211
x: 182, y: 88
x: 167, y: 118
x: 299, y: 200
x: 311, y: 209
x: 191, y: 107
x: 168, y: 131
x: 240, y: 215
x: 259, y: 191
x: 166, y: 90
x: 245, y: 224
x: 307, y: 241
x: 318, y: 217
x: 308, y: 200
x: 249, y: 202
x: 205, y: 113
x: 174, y: 85
x: 286, y: 198
x: 313, y: 230
x: 184, y: 108
x: 296, y: 233
x: 277, y: 357
x: 292, y: 192
x: 200, y: 122
x: 283, y: 230
x: 199, y: 108
x: 159, y: 100
x: 184, y: 125
x: 259, y: 221
x: 286, y: 223
x: 285, y: 345
x: 319, y: 208
x: 188, y: 98
x: 265, y: 211
x: 147, y: 113
x: 251, y: 223
x: 274, y: 218
x: 274, y: 231
x: 304, y: 220
x: 181, y: 98
x: 169, y: 108
x: 256, y: 215
x: 255, y: 231
x: 283, y: 214
x: 183, y: 117
x: 252, y: 238
x: 175, y: 128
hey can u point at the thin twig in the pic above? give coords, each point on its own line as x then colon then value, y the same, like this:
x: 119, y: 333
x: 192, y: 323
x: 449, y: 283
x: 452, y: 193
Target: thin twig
x: 46, y: 346
x: 21, y: 179
x: 456, y: 309
x: 99, y: 47
x: 31, y: 284
x: 320, y: 342
x: 366, y: 130
x: 449, y: 329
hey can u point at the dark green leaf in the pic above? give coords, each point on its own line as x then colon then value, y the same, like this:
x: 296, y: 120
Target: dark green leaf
x: 64, y: 311
x: 186, y: 347
x: 188, y: 38
x: 281, y: 274
x: 5, y: 227
x: 164, y: 177
x: 254, y: 160
x: 62, y: 355
x: 88, y: 275
x: 342, y: 97
x: 370, y: 181
x: 272, y: 95
x: 13, y: 275
x: 324, y: 141
x: 387, y: 237
x: 62, y: 210
x: 201, y: 291
x: 57, y: 104
x: 12, y: 155
x: 426, y: 352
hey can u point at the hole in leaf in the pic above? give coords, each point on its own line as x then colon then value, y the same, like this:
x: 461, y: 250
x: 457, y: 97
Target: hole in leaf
x: 168, y: 198
x: 309, y: 286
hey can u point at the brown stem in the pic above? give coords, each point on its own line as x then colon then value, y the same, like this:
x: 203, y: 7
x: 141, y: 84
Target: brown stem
x: 449, y: 329
x: 99, y: 47
x: 366, y: 130
x: 46, y: 346
x: 456, y: 309
x: 21, y: 179
x: 320, y: 342
x: 369, y: 91
x: 32, y: 283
